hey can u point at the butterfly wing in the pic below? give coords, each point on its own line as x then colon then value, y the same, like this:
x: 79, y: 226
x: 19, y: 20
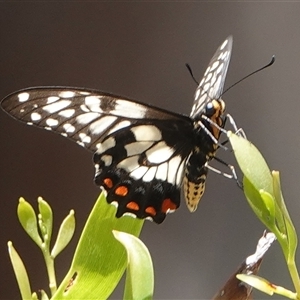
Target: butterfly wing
x: 209, y: 89
x: 80, y: 114
x: 212, y: 83
x: 140, y: 151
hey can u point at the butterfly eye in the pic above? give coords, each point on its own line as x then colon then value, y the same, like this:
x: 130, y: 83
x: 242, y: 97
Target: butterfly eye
x: 209, y: 109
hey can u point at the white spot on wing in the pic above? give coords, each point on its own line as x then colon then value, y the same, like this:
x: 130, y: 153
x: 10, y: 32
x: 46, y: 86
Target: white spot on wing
x: 51, y: 122
x: 69, y: 128
x: 180, y: 173
x: 137, y: 147
x: 66, y: 94
x: 107, y: 159
x: 52, y: 99
x: 93, y: 103
x: 208, y: 77
x: 207, y: 70
x: 224, y: 44
x: 107, y: 144
x: 84, y: 137
x: 56, y: 106
x: 162, y: 171
x: 150, y: 174
x: 23, y: 97
x: 214, y: 65
x: 139, y: 172
x: 84, y: 108
x: 146, y: 133
x: 206, y: 87
x: 119, y: 126
x: 173, y: 167
x: 128, y: 109
x: 219, y: 70
x: 80, y: 143
x: 115, y: 204
x: 215, y: 89
x: 87, y: 117
x: 100, y: 125
x: 67, y: 113
x: 35, y: 116
x: 159, y: 153
x: 129, y: 214
x: 197, y: 93
x: 129, y: 164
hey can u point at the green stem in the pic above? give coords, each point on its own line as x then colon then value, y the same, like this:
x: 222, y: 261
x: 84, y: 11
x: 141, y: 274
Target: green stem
x: 295, y: 276
x: 49, y: 260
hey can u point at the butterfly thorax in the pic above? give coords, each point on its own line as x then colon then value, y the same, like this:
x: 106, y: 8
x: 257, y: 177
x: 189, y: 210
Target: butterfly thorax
x: 204, y: 150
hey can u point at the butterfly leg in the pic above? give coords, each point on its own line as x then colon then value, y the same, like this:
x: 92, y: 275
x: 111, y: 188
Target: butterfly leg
x: 237, y: 131
x: 211, y: 135
x: 231, y: 175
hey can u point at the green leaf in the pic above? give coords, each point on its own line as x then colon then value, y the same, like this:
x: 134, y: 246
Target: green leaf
x: 252, y: 163
x: 28, y: 221
x: 100, y: 260
x: 268, y: 201
x: 257, y: 203
x: 259, y: 283
x: 20, y: 272
x: 139, y: 279
x: 46, y: 217
x: 284, y: 220
x: 65, y: 234
x: 266, y: 286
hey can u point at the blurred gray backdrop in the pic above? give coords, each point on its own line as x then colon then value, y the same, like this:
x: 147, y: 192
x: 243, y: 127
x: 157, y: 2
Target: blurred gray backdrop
x: 138, y: 50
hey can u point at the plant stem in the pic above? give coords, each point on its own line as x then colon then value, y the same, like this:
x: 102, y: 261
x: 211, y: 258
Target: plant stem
x: 50, y: 270
x: 294, y: 275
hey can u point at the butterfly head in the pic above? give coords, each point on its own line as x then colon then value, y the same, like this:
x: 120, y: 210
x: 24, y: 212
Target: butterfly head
x: 214, y: 110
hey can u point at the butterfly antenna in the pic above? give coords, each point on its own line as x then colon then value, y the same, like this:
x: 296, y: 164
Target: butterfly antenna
x: 191, y: 72
x: 256, y: 71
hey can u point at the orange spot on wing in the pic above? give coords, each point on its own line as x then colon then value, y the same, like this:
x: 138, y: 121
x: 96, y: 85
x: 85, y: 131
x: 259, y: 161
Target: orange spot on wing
x: 168, y: 205
x: 150, y: 210
x: 121, y: 191
x: 108, y: 182
x: 133, y: 205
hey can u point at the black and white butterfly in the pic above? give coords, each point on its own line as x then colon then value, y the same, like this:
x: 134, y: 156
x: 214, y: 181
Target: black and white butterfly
x: 142, y: 154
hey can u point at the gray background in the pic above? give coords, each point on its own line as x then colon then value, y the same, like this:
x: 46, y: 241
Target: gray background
x: 139, y: 50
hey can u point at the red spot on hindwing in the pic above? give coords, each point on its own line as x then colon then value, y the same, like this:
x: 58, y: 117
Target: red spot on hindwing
x: 121, y: 191
x: 168, y: 205
x: 133, y: 205
x: 108, y: 182
x: 150, y: 210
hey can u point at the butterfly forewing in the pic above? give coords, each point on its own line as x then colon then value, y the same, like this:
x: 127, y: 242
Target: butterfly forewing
x: 83, y: 115
x: 206, y: 96
x: 212, y: 83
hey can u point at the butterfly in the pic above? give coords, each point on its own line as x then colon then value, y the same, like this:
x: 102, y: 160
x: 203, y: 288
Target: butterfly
x: 142, y: 154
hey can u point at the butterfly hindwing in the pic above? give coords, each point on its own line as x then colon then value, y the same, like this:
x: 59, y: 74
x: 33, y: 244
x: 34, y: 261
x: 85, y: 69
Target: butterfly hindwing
x: 142, y: 168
